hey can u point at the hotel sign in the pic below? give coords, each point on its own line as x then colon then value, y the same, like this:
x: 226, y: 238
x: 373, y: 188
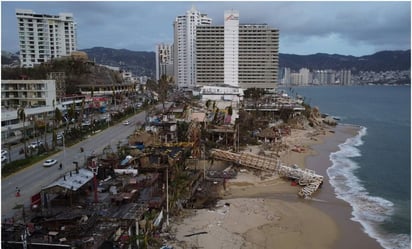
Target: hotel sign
x: 232, y: 17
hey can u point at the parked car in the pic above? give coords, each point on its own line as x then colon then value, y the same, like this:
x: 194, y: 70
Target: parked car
x: 126, y: 122
x: 4, y: 152
x: 35, y: 145
x: 3, y: 158
x: 49, y: 162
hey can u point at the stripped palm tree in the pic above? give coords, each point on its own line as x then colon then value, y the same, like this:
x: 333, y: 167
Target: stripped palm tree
x: 57, y: 118
x: 22, y: 117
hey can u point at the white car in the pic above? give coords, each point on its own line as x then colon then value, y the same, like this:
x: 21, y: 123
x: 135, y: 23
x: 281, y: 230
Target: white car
x: 4, y: 152
x: 35, y: 145
x: 3, y: 159
x: 126, y: 122
x: 49, y: 162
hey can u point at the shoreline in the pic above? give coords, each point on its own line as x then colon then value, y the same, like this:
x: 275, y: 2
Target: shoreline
x: 352, y: 234
x: 259, y: 210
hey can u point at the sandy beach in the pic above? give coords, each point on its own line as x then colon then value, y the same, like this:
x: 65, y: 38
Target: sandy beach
x: 261, y: 210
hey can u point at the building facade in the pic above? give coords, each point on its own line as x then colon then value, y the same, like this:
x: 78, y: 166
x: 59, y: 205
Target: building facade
x: 35, y: 96
x: 164, y: 60
x: 258, y: 56
x: 43, y: 37
x: 209, y: 55
x: 345, y: 77
x: 185, y: 46
x: 28, y: 93
x: 238, y: 55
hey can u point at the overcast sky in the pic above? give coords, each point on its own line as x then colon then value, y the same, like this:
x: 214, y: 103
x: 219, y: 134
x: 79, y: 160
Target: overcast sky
x: 346, y: 28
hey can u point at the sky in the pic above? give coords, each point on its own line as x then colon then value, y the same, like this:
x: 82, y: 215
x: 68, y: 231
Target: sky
x: 346, y: 28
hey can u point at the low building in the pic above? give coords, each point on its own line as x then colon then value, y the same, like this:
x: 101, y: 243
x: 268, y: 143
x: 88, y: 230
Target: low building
x: 221, y: 92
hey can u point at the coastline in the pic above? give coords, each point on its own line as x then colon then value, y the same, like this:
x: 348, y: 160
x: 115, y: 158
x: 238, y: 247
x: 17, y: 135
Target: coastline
x: 351, y: 233
x: 259, y: 210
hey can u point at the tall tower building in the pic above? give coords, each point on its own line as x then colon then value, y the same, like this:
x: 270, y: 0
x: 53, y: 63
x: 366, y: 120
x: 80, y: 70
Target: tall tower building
x: 43, y: 37
x: 238, y: 55
x: 164, y: 60
x: 305, y: 76
x: 185, y: 46
x: 231, y: 48
x: 345, y: 77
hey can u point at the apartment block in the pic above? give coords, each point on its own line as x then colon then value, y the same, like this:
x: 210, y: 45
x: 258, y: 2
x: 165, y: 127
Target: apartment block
x: 258, y: 56
x: 27, y: 93
x: 35, y: 96
x: 164, y: 60
x: 210, y: 55
x: 185, y: 46
x: 43, y: 37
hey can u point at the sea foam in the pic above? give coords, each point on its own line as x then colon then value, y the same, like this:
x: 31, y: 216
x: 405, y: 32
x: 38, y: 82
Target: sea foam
x: 369, y: 211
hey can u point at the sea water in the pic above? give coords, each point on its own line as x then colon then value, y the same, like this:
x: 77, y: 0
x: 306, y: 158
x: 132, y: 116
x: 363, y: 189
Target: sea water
x: 371, y: 171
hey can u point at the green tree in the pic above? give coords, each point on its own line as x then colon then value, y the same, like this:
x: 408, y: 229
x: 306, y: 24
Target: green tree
x: 22, y: 117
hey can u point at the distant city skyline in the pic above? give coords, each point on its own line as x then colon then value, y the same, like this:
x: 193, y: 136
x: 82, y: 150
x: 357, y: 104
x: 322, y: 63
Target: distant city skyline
x: 346, y: 28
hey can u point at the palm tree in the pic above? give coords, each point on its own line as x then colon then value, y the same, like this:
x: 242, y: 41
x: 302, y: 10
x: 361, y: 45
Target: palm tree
x: 71, y: 113
x: 22, y: 116
x: 57, y: 118
x: 45, y: 129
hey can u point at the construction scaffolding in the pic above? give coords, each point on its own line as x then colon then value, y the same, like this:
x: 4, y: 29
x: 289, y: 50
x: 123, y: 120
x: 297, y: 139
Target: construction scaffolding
x: 304, y: 177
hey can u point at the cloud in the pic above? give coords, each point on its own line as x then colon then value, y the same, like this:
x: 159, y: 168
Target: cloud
x: 359, y: 27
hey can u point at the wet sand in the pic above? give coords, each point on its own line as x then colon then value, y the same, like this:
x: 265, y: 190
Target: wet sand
x: 262, y: 210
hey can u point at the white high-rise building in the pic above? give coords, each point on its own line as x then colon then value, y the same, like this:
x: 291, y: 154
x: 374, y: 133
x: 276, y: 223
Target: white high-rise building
x: 164, y: 60
x: 43, y: 37
x: 305, y: 76
x: 231, y: 48
x: 185, y: 46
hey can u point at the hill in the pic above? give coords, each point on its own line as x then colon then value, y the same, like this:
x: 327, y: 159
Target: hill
x: 139, y: 63
x: 77, y: 72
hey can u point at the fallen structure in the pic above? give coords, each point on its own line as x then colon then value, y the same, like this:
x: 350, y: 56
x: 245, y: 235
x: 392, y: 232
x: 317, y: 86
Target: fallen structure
x: 304, y: 177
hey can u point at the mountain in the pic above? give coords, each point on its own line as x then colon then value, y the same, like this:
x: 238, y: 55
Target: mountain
x: 144, y: 63
x: 139, y: 63
x: 380, y: 61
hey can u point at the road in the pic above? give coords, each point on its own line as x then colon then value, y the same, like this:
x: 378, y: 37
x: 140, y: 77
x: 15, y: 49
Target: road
x: 32, y: 179
x: 14, y: 152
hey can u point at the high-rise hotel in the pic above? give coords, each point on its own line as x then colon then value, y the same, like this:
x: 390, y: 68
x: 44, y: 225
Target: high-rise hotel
x: 185, y: 46
x: 243, y: 56
x: 43, y: 37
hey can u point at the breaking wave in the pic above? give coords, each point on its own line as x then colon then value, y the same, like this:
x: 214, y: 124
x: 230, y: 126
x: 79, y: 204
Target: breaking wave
x: 369, y: 211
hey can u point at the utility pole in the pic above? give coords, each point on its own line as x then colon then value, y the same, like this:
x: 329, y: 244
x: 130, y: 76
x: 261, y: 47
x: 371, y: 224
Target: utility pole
x: 167, y: 195
x: 94, y: 170
x: 64, y: 149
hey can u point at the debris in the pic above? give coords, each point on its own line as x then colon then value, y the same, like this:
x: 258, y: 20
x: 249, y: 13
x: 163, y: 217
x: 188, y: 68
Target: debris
x: 193, y: 234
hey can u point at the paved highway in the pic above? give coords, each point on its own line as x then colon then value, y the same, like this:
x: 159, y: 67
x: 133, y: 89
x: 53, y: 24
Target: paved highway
x: 31, y: 180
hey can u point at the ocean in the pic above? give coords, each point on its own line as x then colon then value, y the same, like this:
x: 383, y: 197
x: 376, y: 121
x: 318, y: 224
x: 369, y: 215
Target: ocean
x: 372, y: 171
